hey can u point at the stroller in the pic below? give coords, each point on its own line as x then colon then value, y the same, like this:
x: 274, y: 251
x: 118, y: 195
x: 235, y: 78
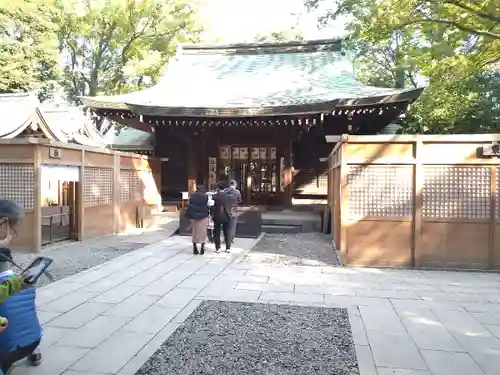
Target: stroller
x: 24, y: 333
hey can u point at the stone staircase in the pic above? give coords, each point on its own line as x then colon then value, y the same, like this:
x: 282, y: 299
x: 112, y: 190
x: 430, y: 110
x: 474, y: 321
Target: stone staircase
x: 291, y: 221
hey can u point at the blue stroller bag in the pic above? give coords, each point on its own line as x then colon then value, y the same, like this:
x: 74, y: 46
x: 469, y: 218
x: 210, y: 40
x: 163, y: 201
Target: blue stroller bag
x: 24, y: 331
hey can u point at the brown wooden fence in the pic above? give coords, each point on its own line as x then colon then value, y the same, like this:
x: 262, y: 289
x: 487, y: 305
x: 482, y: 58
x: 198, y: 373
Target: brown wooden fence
x: 109, y: 191
x: 416, y: 201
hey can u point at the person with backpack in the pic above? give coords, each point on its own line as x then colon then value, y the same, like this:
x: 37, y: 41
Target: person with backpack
x: 20, y: 337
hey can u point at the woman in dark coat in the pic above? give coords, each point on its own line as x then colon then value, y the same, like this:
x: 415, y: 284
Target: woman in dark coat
x: 198, y: 212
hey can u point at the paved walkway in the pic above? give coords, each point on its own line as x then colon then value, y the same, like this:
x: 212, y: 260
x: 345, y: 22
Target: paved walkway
x: 110, y: 319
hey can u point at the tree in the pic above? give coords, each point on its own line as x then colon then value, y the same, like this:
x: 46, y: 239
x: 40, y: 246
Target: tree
x: 455, y: 44
x: 28, y: 47
x: 117, y: 46
x: 290, y: 35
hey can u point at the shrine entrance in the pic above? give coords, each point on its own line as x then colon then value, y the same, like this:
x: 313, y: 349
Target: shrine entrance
x: 256, y: 170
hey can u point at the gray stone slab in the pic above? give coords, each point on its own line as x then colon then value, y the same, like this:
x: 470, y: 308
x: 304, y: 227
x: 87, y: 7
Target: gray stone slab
x: 47, y: 316
x: 80, y: 315
x: 177, y: 298
x: 235, y: 338
x: 230, y: 295
x: 431, y: 334
x: 132, y: 306
x: 117, y: 294
x: 155, y: 343
x: 485, y: 351
x: 338, y: 290
x: 71, y: 259
x: 242, y: 278
x: 56, y: 290
x: 56, y: 360
x: 400, y: 371
x: 462, y: 324
x: 51, y: 335
x: 151, y: 321
x: 348, y: 301
x: 113, y: 354
x: 494, y: 329
x: 487, y: 318
x: 132, y: 366
x: 450, y: 363
x: 186, y: 311
x: 68, y: 302
x: 397, y: 351
x: 381, y: 319
x: 94, y: 332
x: 358, y: 330
x: 196, y: 282
x: 265, y: 287
x: 293, y: 297
x: 365, y: 360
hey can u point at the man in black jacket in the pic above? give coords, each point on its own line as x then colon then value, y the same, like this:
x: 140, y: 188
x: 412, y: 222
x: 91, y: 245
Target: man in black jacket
x: 224, y: 211
x: 233, y: 189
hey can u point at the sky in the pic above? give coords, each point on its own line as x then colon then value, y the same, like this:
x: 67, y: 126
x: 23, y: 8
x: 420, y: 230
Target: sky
x: 231, y: 21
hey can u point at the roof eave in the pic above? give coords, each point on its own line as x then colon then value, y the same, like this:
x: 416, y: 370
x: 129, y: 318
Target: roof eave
x: 406, y: 96
x: 91, y: 102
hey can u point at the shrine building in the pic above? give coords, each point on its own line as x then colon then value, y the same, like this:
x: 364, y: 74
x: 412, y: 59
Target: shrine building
x: 256, y: 113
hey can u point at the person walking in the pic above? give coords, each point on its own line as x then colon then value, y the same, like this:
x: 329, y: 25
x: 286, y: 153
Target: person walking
x: 198, y: 211
x: 224, y: 211
x: 233, y: 189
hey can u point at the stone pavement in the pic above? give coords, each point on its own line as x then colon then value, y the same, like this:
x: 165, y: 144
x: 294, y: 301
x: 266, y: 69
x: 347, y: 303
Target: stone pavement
x: 71, y: 257
x: 110, y: 319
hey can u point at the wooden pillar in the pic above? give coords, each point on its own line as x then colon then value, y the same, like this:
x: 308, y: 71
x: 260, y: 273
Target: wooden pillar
x: 81, y: 199
x: 288, y: 193
x: 116, y: 193
x: 418, y: 184
x: 37, y: 209
x: 493, y: 220
x: 202, y: 161
x: 192, y: 156
x: 344, y: 204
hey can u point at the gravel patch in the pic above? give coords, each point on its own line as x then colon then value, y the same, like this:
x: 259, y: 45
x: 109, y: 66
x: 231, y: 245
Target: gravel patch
x: 226, y: 338
x: 69, y: 259
x: 299, y: 249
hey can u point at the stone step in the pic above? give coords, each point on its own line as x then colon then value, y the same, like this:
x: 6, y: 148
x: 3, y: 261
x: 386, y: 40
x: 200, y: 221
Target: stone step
x: 281, y: 228
x: 306, y: 225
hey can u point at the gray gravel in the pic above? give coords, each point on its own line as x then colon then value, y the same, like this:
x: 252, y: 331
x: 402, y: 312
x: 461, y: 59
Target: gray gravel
x: 299, y: 249
x: 226, y: 338
x: 69, y: 259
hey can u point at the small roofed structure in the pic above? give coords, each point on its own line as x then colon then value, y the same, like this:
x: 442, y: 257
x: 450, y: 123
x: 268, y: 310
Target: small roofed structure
x: 25, y: 116
x: 255, y: 113
x: 55, y: 162
x: 124, y: 138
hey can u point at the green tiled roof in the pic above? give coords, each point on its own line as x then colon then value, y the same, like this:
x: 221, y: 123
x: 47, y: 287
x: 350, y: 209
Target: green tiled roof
x: 129, y: 138
x: 248, y: 80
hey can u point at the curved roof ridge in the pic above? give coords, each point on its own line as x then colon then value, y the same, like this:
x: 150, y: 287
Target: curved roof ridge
x: 262, y: 48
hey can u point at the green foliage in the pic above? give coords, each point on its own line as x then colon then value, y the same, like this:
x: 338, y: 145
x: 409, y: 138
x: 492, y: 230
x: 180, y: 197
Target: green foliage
x: 118, y: 46
x: 282, y: 36
x: 28, y: 47
x: 455, y: 44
